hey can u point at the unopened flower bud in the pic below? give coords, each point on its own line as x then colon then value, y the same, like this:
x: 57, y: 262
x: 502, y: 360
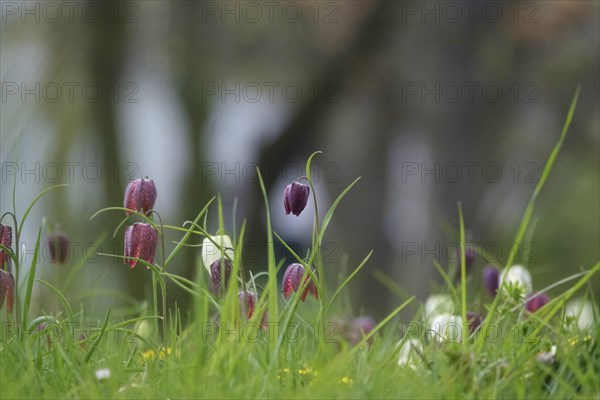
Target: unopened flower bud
x: 212, y: 252
x: 6, y: 241
x: 140, y: 196
x: 220, y: 272
x: 292, y: 282
x: 295, y: 197
x: 7, y: 290
x: 537, y: 302
x: 58, y: 244
x: 140, y: 242
x: 491, y: 279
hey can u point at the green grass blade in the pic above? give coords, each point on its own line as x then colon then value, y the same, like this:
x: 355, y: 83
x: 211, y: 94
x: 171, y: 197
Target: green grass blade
x: 189, y: 232
x: 463, y: 278
x: 90, y: 352
x: 35, y: 200
x: 545, y: 173
x: 74, y: 272
x: 560, y: 301
x: 272, y: 281
x: 349, y: 278
x: 30, y: 280
x: 381, y: 325
x: 305, y: 264
x: 62, y: 298
x: 446, y: 279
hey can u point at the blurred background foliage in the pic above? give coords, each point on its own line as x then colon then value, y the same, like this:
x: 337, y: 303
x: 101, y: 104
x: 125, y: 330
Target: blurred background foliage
x: 357, y: 64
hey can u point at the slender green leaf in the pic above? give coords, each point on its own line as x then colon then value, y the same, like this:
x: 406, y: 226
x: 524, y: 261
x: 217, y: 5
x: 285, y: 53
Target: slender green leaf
x: 538, y: 188
x: 332, y: 209
x: 92, y: 349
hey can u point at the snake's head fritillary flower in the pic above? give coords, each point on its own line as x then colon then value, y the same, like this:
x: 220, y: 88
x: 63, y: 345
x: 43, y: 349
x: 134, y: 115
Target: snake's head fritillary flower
x: 7, y: 290
x: 438, y: 304
x: 516, y: 276
x: 140, y: 242
x: 220, y: 272
x: 581, y: 312
x: 140, y: 196
x: 408, y: 355
x: 295, y: 197
x: 361, y: 327
x: 536, y: 302
x: 446, y: 328
x: 491, y: 279
x: 6, y: 241
x: 248, y: 301
x: 292, y: 282
x: 58, y: 247
x: 216, y: 249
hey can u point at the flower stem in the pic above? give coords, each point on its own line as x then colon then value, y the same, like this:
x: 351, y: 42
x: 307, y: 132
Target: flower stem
x: 163, y: 285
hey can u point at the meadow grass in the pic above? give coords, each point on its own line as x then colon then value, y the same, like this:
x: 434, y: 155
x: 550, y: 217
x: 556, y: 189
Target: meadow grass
x: 300, y: 349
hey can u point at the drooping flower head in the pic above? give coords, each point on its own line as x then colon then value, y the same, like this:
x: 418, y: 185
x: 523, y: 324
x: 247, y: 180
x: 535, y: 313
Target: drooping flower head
x: 446, y: 327
x: 516, y: 276
x: 438, y: 304
x: 408, y: 355
x: 6, y: 241
x: 536, y: 302
x: 248, y: 301
x: 7, y: 290
x: 140, y: 196
x: 359, y: 328
x: 140, y: 242
x: 295, y: 197
x: 292, y: 282
x: 581, y: 312
x: 220, y: 272
x: 58, y: 247
x: 212, y: 252
x: 491, y: 279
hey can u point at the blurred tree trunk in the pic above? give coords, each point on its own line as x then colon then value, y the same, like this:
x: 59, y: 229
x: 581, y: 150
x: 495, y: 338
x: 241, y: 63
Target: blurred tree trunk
x: 304, y: 133
x: 107, y: 57
x: 192, y: 58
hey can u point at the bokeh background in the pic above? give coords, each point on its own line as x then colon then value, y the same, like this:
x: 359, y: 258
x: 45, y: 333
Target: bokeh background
x: 431, y: 103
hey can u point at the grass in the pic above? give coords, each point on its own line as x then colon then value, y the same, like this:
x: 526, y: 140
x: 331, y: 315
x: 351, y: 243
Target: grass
x: 305, y: 350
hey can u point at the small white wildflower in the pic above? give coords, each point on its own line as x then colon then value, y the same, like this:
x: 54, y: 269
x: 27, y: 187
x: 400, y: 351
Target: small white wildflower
x: 582, y: 312
x: 437, y: 304
x: 408, y: 353
x: 212, y: 253
x: 446, y: 328
x: 102, y: 374
x: 547, y: 357
x: 519, y: 276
